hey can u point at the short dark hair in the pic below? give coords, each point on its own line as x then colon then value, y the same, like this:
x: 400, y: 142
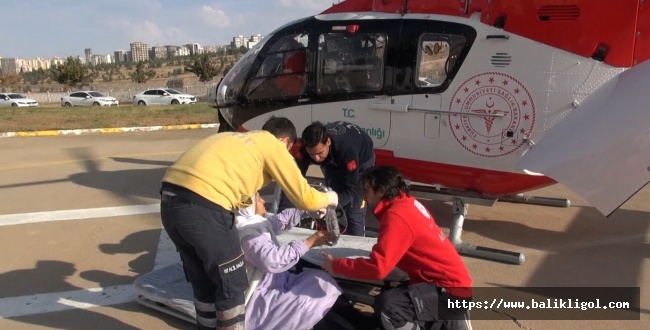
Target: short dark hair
x: 386, y: 178
x: 314, y: 134
x: 281, y: 127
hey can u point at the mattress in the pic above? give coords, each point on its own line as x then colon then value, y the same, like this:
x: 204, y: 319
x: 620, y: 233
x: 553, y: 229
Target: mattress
x: 166, y: 289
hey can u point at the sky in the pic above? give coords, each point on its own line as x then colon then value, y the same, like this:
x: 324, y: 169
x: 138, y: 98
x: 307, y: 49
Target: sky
x: 49, y: 28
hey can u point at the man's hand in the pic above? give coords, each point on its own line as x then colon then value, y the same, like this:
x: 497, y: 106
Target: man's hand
x: 328, y: 263
x: 319, y: 214
x: 333, y: 198
x: 317, y: 239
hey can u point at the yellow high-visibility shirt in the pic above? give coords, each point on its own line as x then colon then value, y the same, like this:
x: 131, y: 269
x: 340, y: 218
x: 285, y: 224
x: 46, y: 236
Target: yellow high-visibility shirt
x: 228, y: 168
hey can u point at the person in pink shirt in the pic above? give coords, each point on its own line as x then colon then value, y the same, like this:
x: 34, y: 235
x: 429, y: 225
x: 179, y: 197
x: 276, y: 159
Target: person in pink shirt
x: 277, y: 298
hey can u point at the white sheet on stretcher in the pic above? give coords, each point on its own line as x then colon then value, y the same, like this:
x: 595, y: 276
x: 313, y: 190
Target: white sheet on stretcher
x: 167, y: 285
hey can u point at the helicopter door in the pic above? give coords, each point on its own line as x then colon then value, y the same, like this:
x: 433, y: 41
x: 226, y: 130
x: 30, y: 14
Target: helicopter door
x: 430, y: 54
x: 350, y: 76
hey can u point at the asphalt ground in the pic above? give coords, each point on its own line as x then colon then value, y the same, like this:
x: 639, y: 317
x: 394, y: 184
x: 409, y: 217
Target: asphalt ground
x: 78, y: 225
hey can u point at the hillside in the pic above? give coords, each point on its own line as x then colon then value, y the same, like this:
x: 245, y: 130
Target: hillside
x: 117, y: 77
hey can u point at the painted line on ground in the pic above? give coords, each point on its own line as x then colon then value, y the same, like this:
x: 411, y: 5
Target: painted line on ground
x: 166, y: 255
x: 78, y: 214
x: 85, y: 298
x: 106, y: 130
x: 68, y: 300
x: 102, y: 212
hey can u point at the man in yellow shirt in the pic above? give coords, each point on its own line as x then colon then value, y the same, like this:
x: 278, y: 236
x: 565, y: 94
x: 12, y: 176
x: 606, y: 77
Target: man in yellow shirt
x: 199, y: 193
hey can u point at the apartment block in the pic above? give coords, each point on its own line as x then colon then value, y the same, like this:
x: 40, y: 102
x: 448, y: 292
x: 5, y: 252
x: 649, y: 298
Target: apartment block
x: 8, y: 64
x: 194, y: 48
x: 89, y: 54
x: 158, y: 52
x: 120, y: 56
x: 139, y: 51
x: 238, y: 41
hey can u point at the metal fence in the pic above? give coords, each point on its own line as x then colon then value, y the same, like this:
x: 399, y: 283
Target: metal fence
x: 124, y: 94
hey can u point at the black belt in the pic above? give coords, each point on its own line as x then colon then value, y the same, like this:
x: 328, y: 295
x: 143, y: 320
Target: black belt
x: 167, y: 196
x: 179, y: 193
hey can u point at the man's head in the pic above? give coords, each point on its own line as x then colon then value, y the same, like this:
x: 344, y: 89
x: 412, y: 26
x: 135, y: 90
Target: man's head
x: 316, y: 141
x: 283, y: 129
x: 382, y: 182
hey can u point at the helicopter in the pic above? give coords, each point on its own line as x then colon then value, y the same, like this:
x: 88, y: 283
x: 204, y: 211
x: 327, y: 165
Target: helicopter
x: 477, y: 101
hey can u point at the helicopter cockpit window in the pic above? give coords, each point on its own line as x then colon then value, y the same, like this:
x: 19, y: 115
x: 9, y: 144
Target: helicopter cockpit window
x: 234, y: 80
x: 283, y: 72
x: 437, y: 57
x: 350, y: 62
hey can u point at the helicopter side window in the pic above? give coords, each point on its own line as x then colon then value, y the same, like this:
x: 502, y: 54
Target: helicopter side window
x: 437, y: 56
x: 350, y: 62
x: 283, y: 72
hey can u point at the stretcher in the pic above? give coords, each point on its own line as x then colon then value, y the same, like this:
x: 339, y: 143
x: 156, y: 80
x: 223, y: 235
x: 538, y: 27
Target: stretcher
x: 165, y: 289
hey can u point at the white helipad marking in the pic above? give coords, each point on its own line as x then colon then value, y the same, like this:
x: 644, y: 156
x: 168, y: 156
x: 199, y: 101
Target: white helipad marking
x: 166, y: 254
x: 61, y: 301
x: 102, y: 212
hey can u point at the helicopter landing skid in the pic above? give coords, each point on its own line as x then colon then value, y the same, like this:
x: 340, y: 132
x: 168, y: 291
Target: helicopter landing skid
x: 536, y: 200
x: 461, y: 201
x: 460, y: 211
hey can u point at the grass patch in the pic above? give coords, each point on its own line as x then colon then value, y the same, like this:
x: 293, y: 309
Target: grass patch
x: 55, y: 117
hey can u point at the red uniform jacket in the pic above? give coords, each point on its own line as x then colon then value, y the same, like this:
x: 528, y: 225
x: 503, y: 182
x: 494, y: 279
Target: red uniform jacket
x: 410, y: 239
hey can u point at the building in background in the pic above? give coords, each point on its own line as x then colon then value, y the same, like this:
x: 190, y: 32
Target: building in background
x: 56, y: 60
x: 158, y: 52
x: 237, y: 42
x: 89, y: 54
x: 174, y: 51
x: 8, y: 64
x: 40, y: 63
x: 195, y: 49
x: 139, y: 51
x: 121, y: 56
x: 254, y: 39
x: 101, y: 59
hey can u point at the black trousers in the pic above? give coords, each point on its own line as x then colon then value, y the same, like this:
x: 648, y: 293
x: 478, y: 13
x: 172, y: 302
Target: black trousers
x: 208, y: 243
x: 423, y: 304
x: 354, y: 212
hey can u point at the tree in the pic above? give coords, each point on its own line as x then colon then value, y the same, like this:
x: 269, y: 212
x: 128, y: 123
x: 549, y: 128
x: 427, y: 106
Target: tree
x: 35, y: 77
x: 139, y: 75
x: 227, y: 69
x: 203, y: 67
x: 10, y: 79
x: 71, y: 73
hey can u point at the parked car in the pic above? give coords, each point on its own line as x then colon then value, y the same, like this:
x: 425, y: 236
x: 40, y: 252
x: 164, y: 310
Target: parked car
x: 87, y: 99
x: 16, y: 100
x: 162, y: 96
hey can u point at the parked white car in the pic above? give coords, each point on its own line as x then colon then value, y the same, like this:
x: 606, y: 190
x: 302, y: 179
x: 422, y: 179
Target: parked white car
x: 16, y: 100
x: 88, y: 99
x: 162, y: 96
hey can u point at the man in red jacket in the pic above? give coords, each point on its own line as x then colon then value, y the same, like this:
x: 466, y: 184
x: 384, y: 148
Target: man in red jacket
x: 409, y: 239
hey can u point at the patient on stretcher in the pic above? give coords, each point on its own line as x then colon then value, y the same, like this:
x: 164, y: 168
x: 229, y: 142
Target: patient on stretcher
x: 276, y: 298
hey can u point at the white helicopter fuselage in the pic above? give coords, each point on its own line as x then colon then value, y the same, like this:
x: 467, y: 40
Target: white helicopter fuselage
x: 505, y: 95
